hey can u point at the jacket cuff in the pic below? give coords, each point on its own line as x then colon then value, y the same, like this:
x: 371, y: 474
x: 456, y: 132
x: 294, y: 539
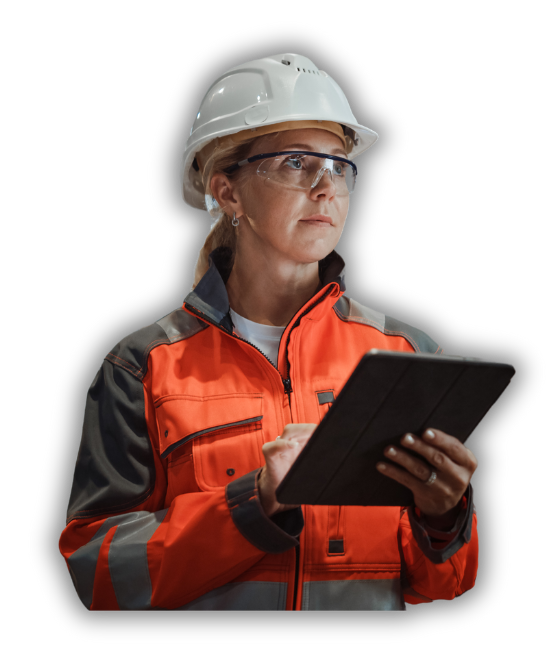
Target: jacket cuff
x: 271, y: 535
x: 428, y: 539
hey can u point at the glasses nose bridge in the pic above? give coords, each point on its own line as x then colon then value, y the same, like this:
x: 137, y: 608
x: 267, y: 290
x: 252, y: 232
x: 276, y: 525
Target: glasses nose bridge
x: 326, y: 165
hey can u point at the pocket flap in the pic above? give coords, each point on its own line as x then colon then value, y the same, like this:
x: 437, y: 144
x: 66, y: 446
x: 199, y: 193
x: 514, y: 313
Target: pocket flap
x: 184, y: 417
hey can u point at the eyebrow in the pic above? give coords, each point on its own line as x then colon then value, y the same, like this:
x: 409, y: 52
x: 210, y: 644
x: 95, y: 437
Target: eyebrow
x: 306, y: 147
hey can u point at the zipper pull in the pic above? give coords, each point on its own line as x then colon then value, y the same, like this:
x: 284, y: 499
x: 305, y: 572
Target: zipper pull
x: 287, y: 385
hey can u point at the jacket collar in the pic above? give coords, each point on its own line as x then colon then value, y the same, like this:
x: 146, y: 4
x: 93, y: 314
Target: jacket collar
x: 211, y: 298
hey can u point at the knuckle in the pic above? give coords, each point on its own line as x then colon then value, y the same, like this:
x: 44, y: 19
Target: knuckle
x: 446, y: 491
x: 439, y: 459
x: 473, y: 461
x: 454, y: 449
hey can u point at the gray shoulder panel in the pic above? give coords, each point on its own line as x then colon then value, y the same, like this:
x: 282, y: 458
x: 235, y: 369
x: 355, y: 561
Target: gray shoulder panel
x: 132, y: 351
x: 350, y: 310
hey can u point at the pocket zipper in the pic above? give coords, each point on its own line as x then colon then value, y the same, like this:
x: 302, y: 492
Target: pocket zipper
x: 177, y: 444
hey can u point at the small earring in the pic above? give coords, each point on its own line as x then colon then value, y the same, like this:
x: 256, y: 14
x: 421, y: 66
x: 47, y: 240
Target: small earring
x: 235, y: 222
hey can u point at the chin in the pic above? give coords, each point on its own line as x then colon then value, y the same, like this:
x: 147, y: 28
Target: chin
x: 311, y: 252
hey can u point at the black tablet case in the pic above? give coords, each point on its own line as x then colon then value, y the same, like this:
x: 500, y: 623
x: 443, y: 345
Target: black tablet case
x: 388, y: 395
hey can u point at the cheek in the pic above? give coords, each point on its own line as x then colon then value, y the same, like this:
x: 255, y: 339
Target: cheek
x: 271, y: 209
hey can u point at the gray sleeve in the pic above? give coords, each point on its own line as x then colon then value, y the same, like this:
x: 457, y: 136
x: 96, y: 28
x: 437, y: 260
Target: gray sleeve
x: 271, y: 535
x: 115, y: 465
x: 460, y: 534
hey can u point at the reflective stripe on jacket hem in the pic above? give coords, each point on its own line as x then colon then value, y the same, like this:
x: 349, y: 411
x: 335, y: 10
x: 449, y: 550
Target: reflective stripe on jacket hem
x: 346, y: 595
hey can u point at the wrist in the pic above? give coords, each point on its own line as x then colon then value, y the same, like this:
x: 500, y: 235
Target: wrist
x: 268, y: 503
x: 444, y: 522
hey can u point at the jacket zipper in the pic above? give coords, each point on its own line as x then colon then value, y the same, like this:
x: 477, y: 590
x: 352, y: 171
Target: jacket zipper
x: 297, y: 548
x: 288, y: 389
x: 296, y: 324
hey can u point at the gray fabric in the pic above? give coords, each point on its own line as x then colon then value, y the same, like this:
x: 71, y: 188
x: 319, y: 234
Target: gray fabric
x: 194, y: 300
x: 271, y: 535
x: 83, y: 562
x: 462, y: 530
x: 115, y: 465
x: 128, y: 562
x: 180, y: 325
x: 339, y: 595
x: 243, y: 596
x: 350, y: 310
x: 131, y: 353
x: 326, y: 397
x: 210, y: 296
x: 420, y: 341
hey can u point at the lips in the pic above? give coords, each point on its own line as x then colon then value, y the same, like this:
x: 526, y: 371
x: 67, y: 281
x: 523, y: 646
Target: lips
x: 319, y: 218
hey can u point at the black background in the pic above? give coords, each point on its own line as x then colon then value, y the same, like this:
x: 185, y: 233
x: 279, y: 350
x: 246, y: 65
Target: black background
x: 423, y: 241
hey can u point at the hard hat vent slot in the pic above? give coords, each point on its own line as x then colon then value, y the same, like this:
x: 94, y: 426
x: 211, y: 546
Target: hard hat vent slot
x: 286, y: 62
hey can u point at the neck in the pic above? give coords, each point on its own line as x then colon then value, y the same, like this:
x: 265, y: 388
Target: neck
x: 270, y: 290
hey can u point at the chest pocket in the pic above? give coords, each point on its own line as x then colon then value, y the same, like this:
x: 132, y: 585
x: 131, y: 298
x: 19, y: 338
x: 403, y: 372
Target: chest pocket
x: 224, y: 432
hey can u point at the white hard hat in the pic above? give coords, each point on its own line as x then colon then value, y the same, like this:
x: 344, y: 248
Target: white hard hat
x: 279, y: 88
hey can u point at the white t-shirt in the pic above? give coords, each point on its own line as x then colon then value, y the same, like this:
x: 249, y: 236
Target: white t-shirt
x: 265, y: 337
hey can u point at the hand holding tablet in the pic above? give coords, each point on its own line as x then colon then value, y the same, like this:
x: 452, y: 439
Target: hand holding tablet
x: 389, y: 395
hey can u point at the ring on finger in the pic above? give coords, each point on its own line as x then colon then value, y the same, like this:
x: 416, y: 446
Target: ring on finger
x: 432, y: 478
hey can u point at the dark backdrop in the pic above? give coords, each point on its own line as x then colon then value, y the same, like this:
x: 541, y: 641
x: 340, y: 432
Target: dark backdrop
x: 422, y: 243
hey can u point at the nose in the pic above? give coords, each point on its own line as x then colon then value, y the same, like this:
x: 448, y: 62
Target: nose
x: 323, y: 185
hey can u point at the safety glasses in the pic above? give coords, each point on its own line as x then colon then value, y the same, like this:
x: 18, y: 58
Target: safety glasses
x: 303, y: 170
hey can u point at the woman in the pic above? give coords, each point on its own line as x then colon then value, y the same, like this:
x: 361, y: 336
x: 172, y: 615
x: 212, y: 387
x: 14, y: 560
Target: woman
x: 191, y: 423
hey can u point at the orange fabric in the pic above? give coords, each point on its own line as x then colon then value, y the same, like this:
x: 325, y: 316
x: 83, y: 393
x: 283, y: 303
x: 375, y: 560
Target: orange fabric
x: 103, y: 592
x: 212, y: 379
x: 435, y: 581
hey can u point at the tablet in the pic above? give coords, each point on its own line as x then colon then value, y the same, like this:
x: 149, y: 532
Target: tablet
x: 388, y: 395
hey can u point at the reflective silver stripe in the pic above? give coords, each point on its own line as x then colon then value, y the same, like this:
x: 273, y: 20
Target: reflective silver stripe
x: 180, y: 325
x: 128, y: 562
x: 82, y: 563
x: 242, y: 596
x: 353, y: 595
x: 348, y: 309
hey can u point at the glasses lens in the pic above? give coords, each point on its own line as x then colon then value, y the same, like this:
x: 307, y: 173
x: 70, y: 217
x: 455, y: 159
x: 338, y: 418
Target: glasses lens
x: 303, y: 172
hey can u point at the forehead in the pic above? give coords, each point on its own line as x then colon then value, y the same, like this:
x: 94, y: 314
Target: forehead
x: 317, y: 140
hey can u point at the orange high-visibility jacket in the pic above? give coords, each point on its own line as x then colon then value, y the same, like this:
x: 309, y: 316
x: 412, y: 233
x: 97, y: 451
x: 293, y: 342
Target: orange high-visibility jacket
x: 164, y: 510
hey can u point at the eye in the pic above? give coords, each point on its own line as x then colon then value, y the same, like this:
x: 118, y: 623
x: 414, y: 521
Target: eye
x: 339, y: 169
x: 294, y: 163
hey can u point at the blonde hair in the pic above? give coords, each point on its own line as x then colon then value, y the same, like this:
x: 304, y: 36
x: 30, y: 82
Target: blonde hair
x: 222, y: 232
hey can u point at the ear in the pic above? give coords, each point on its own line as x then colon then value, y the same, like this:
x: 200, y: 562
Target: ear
x: 226, y: 194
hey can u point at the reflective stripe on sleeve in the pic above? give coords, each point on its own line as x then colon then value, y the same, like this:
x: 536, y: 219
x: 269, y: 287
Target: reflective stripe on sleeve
x: 83, y: 562
x: 128, y: 562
